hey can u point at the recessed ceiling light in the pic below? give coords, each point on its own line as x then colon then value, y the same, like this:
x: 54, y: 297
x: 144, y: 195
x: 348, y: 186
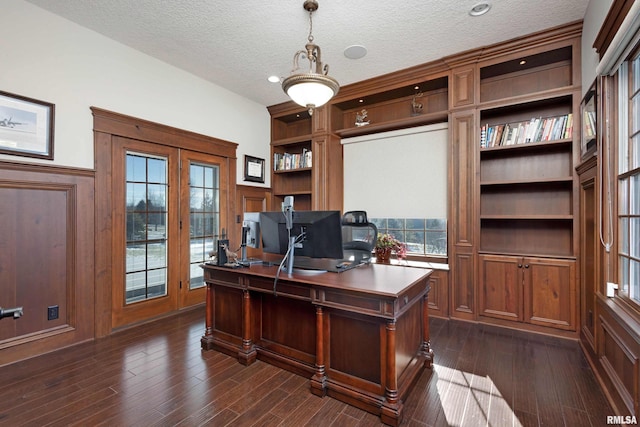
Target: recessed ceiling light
x: 274, y: 79
x: 355, y: 51
x: 480, y: 9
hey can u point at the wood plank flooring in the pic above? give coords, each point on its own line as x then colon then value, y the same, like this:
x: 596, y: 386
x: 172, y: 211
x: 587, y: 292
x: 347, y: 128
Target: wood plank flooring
x: 157, y: 375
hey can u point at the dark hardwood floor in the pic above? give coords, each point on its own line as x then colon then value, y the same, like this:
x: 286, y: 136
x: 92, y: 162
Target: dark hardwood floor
x: 157, y: 375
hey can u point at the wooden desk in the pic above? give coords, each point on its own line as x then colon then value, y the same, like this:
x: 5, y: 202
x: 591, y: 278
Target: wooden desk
x: 361, y: 336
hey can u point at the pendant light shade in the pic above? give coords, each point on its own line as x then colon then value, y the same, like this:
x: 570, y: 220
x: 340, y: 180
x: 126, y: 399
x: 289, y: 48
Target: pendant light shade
x: 315, y: 87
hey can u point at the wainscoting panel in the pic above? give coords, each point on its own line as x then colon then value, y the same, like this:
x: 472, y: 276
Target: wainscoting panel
x: 46, y: 258
x: 618, y: 350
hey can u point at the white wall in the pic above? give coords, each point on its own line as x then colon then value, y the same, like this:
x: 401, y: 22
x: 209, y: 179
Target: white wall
x: 593, y: 18
x: 52, y: 59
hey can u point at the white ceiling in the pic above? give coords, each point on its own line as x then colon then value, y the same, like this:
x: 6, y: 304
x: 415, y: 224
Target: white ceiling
x: 238, y: 44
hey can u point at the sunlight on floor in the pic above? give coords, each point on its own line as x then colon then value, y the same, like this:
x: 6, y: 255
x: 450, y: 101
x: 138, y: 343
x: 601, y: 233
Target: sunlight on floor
x: 472, y: 394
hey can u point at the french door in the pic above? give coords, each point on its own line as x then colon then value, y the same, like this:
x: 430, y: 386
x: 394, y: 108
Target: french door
x: 169, y: 210
x: 203, y: 196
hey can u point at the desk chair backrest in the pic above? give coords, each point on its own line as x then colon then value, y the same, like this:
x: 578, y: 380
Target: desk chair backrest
x: 358, y: 236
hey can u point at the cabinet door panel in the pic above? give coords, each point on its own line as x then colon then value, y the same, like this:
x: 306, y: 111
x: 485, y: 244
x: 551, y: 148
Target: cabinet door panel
x: 501, y: 287
x: 550, y: 299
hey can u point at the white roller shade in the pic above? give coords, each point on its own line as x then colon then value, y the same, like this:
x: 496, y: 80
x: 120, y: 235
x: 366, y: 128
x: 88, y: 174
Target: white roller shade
x: 397, y: 174
x: 625, y: 39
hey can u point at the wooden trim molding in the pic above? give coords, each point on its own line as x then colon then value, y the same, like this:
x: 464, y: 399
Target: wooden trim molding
x: 143, y: 130
x: 611, y: 25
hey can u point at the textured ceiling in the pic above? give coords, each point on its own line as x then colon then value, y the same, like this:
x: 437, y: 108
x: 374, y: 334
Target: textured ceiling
x: 237, y: 45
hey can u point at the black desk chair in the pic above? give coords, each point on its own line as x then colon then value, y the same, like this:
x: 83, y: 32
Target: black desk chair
x: 358, y: 236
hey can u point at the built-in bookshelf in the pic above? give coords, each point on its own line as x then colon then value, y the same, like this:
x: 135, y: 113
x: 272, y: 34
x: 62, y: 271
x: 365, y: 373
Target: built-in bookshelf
x: 529, y: 122
x: 412, y: 104
x: 292, y: 158
x: 526, y: 178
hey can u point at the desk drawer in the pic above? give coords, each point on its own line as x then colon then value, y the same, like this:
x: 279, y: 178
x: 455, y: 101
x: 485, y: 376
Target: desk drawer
x: 222, y: 277
x: 283, y: 287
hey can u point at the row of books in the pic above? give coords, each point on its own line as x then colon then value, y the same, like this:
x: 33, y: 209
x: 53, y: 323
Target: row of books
x: 589, y: 120
x: 288, y: 161
x: 534, y: 130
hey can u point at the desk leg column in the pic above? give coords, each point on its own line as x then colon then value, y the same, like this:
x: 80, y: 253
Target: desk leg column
x: 427, y: 352
x: 391, y: 411
x: 318, y: 381
x: 207, y: 339
x: 248, y: 353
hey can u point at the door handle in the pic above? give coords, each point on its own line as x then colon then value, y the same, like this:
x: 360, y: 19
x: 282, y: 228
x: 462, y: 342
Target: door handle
x: 11, y: 312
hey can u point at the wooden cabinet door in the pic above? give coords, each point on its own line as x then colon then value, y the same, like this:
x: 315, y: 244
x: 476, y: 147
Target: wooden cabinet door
x: 550, y: 292
x: 500, y: 293
x: 589, y: 244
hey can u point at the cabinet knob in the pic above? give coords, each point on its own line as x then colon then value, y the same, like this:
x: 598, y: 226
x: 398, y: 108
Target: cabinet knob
x: 519, y: 265
x: 526, y: 266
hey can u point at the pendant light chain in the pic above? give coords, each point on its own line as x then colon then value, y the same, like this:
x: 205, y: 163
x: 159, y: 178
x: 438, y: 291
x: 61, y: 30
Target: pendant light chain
x: 310, y: 38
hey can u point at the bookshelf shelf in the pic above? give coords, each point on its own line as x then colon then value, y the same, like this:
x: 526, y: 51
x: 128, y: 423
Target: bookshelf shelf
x: 537, y: 145
x: 295, y: 170
x: 293, y: 193
x: 301, y: 139
x: 527, y: 182
x: 423, y: 119
x: 528, y: 217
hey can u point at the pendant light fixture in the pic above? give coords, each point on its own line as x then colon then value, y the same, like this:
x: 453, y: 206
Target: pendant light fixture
x: 312, y: 88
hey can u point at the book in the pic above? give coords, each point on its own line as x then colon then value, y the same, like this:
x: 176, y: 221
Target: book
x: 483, y: 136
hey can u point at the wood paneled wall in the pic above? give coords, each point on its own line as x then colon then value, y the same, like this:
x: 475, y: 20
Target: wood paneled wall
x: 46, y: 258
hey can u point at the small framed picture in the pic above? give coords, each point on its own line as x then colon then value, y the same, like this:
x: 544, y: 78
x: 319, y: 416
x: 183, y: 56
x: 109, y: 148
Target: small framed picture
x: 253, y: 169
x: 589, y: 110
x: 26, y: 126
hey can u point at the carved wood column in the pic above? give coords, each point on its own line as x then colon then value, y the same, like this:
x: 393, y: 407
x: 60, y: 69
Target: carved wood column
x: 318, y: 381
x: 391, y: 411
x: 207, y: 338
x: 463, y: 205
x: 426, y: 337
x: 248, y: 353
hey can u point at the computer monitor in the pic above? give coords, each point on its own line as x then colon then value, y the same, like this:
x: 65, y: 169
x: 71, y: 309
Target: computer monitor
x: 251, y: 229
x: 321, y: 231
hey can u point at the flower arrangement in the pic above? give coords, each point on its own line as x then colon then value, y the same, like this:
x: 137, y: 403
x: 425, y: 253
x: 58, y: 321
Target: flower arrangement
x: 388, y: 243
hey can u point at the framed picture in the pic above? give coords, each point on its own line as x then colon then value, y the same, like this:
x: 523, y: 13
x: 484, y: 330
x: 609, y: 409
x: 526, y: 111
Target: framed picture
x: 588, y: 110
x: 253, y: 169
x: 26, y: 126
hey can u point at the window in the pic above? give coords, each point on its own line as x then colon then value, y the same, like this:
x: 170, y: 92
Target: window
x: 146, y: 255
x: 400, y: 179
x: 629, y: 179
x: 422, y: 236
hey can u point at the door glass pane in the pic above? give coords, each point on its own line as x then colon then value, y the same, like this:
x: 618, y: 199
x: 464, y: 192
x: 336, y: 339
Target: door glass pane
x: 204, y: 217
x: 146, y: 247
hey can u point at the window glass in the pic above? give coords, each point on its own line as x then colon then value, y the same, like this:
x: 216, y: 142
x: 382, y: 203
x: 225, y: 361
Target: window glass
x: 204, y: 216
x: 422, y: 236
x: 146, y: 246
x: 629, y: 179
